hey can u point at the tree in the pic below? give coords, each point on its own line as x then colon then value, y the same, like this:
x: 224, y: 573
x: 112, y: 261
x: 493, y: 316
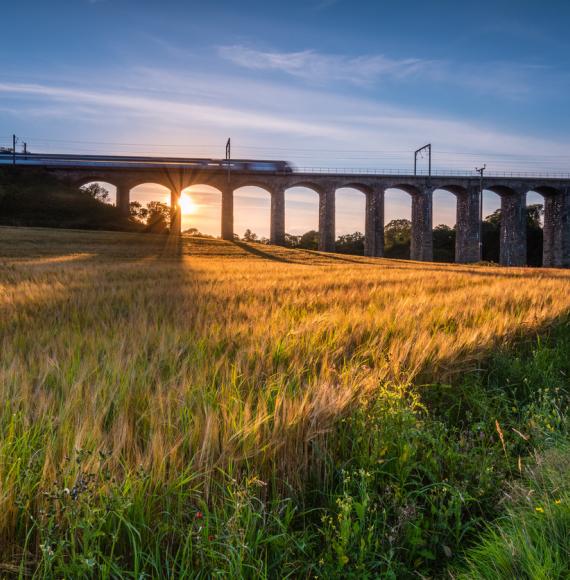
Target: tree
x: 397, y: 238
x: 137, y: 211
x: 534, y: 216
x: 249, y: 236
x: 97, y: 192
x: 158, y: 216
x: 443, y: 243
x: 534, y: 234
x: 309, y: 240
x: 292, y: 241
x: 350, y: 244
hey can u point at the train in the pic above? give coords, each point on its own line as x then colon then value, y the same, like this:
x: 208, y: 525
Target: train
x: 252, y: 165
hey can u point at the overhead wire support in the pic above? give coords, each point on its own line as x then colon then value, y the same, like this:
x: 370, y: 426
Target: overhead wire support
x: 480, y: 171
x: 229, y: 155
x: 420, y: 152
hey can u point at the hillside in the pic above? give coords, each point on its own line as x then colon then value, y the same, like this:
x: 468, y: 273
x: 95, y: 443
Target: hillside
x: 34, y: 198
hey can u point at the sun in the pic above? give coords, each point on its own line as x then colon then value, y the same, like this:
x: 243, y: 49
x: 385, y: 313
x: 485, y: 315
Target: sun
x: 186, y: 204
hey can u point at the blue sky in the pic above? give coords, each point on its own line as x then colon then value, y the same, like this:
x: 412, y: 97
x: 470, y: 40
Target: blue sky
x: 320, y: 83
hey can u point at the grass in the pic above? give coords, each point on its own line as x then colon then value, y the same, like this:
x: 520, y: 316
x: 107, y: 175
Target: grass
x: 532, y: 540
x: 203, y: 408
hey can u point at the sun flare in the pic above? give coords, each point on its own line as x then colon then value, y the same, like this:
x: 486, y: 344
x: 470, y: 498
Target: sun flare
x: 187, y: 204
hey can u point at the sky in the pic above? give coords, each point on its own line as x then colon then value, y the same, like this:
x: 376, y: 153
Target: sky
x: 320, y: 83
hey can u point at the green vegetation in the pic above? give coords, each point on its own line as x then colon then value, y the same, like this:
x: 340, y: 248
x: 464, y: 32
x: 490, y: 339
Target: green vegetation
x: 532, y: 540
x: 198, y: 408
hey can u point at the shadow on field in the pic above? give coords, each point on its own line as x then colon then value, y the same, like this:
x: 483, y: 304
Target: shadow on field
x: 503, y: 272
x: 26, y: 245
x: 254, y: 251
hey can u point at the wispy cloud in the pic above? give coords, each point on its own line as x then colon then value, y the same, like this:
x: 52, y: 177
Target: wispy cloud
x: 173, y: 110
x: 511, y: 80
x: 315, y: 66
x: 323, y: 128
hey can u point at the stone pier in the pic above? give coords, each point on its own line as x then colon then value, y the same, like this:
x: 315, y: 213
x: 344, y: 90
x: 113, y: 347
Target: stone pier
x: 175, y: 212
x: 123, y: 199
x: 327, y: 220
x: 422, y: 237
x: 468, y: 228
x: 513, y: 229
x: 227, y: 212
x: 564, y: 260
x: 374, y: 223
x: 277, y: 226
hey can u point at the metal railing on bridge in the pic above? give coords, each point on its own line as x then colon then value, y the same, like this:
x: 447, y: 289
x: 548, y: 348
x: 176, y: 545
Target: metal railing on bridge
x: 434, y: 172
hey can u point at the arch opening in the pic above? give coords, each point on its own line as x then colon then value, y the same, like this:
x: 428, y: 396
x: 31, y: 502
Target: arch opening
x: 149, y: 203
x: 350, y: 220
x: 252, y: 213
x: 491, y: 226
x: 302, y: 218
x: 397, y: 223
x: 444, y: 224
x: 201, y: 207
x: 101, y: 190
x: 536, y: 201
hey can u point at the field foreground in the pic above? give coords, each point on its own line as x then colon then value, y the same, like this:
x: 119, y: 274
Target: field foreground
x: 210, y: 408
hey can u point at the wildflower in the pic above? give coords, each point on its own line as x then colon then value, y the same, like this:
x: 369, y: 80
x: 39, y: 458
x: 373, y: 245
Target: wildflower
x: 539, y: 510
x: 199, y: 516
x: 557, y: 501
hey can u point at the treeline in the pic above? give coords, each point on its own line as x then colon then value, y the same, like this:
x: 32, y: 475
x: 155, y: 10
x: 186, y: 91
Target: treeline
x: 398, y: 235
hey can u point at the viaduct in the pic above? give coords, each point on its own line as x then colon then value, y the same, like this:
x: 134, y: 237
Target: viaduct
x: 467, y: 189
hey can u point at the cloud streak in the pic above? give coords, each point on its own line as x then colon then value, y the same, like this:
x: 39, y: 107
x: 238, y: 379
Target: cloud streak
x: 173, y: 110
x: 153, y: 105
x: 314, y: 66
x: 510, y: 80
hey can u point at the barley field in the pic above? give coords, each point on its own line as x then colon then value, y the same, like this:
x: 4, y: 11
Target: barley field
x: 174, y: 407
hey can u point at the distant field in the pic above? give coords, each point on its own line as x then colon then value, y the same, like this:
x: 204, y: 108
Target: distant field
x: 166, y: 368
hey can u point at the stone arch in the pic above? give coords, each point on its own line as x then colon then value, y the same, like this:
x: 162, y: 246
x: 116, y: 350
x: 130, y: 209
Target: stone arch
x: 409, y: 188
x: 94, y: 178
x: 163, y: 181
x: 252, y: 181
x: 362, y: 187
x: 308, y: 184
